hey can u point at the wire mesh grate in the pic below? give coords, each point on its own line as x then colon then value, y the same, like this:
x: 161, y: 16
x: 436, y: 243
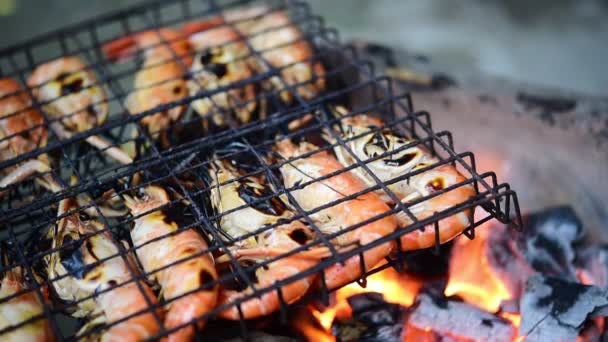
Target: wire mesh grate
x: 71, y: 218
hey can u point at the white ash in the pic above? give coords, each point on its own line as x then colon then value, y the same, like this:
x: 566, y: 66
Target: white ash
x: 554, y: 309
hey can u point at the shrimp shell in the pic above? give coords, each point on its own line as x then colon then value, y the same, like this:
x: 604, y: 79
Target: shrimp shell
x: 19, y: 120
x: 273, y: 242
x: 68, y: 90
x: 220, y: 62
x: 366, y: 145
x: 183, y: 276
x: 83, y: 281
x: 21, y: 308
x: 343, y: 214
x: 233, y: 194
x: 283, y: 45
x: 160, y: 81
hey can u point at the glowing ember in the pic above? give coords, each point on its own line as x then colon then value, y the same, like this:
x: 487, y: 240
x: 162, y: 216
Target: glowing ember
x: 514, y: 318
x: 304, y: 324
x: 471, y: 278
x: 414, y: 334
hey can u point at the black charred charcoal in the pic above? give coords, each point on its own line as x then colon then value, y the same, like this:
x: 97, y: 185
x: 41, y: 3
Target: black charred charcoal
x: 594, y: 261
x: 549, y: 239
x: 546, y: 246
x: 371, y: 308
x: 460, y: 320
x: 553, y: 309
x: 427, y: 263
x: 373, y: 319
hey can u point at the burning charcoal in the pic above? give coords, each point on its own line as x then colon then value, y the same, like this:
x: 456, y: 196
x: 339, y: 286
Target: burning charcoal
x: 373, y: 319
x: 556, y: 310
x: 458, y: 320
x: 371, y: 309
x: 494, y: 267
x: 488, y: 270
x: 426, y: 262
x: 550, y: 236
x: 593, y: 262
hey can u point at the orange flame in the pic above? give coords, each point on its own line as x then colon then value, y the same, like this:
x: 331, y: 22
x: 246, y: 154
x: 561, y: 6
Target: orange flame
x: 474, y: 280
x: 395, y: 287
x: 471, y: 278
x: 305, y: 325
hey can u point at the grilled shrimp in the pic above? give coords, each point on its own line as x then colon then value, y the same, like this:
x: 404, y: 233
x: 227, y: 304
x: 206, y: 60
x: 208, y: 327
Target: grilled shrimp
x: 191, y: 268
x: 274, y: 242
x: 281, y: 45
x: 221, y: 60
x: 69, y: 91
x: 161, y: 78
x: 82, y: 245
x: 21, y: 308
x: 21, y: 130
x: 366, y: 145
x: 341, y: 215
x: 228, y: 194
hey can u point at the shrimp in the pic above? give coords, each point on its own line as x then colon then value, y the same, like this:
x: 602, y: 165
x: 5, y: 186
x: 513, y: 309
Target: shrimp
x: 365, y: 145
x: 69, y: 91
x: 228, y: 194
x: 21, y: 308
x: 284, y: 47
x: 81, y: 244
x: 274, y: 242
x: 221, y: 61
x: 167, y: 55
x: 281, y: 45
x: 21, y: 130
x: 342, y: 215
x: 172, y: 247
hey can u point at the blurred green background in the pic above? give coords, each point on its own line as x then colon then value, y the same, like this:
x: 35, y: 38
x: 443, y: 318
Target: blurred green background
x: 560, y: 43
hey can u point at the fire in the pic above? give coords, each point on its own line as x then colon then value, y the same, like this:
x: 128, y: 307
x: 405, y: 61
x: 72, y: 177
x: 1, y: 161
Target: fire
x: 514, y: 318
x: 395, y: 287
x: 306, y: 325
x: 471, y: 278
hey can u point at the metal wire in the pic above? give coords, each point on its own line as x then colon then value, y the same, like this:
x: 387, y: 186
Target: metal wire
x: 28, y: 211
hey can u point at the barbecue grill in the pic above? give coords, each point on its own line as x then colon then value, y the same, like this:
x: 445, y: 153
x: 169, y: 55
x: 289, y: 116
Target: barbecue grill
x: 27, y: 210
